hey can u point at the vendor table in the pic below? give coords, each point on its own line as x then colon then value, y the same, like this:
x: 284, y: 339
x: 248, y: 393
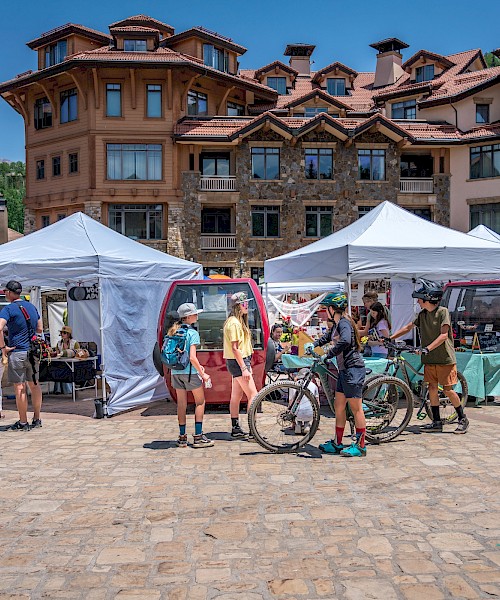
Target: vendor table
x: 70, y: 370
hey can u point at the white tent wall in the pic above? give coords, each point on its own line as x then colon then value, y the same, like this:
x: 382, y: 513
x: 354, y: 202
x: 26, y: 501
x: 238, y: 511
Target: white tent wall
x: 403, y: 307
x: 55, y: 311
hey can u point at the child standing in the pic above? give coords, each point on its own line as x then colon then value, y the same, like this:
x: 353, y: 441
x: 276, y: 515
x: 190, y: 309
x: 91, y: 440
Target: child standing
x: 190, y: 379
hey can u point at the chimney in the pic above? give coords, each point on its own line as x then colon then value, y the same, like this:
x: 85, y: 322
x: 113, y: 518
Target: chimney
x: 389, y: 61
x: 300, y: 57
x: 4, y: 229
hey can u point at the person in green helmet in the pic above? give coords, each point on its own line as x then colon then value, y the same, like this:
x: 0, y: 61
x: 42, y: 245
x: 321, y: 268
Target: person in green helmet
x: 347, y: 350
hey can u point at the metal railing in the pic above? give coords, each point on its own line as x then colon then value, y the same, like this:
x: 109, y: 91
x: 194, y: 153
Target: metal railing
x: 416, y: 185
x: 218, y: 184
x: 218, y: 241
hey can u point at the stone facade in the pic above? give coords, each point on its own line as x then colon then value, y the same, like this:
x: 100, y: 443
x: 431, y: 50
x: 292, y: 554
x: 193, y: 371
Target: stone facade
x: 292, y: 193
x: 29, y: 220
x: 93, y: 209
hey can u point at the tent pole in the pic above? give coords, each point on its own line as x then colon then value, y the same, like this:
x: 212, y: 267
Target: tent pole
x: 348, y: 294
x: 101, y: 330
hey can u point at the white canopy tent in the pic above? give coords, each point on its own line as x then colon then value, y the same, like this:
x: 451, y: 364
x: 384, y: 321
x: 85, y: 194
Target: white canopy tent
x: 132, y: 280
x: 388, y: 242
x: 485, y: 233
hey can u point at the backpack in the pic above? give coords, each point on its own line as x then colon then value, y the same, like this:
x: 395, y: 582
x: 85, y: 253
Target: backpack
x: 38, y: 348
x: 174, y: 354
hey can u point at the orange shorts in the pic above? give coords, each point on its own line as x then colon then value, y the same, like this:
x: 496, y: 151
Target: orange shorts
x: 445, y: 375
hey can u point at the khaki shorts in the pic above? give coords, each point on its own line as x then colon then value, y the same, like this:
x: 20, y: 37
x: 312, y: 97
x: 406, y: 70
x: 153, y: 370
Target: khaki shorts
x: 445, y: 375
x: 20, y: 369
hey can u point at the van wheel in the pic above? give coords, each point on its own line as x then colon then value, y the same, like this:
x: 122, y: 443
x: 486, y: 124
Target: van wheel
x: 157, y: 359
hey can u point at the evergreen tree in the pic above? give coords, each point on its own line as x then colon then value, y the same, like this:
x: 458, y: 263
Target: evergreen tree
x: 491, y: 60
x: 13, y: 188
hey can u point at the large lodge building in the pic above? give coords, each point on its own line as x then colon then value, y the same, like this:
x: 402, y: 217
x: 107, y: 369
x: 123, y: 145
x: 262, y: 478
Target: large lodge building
x: 162, y: 137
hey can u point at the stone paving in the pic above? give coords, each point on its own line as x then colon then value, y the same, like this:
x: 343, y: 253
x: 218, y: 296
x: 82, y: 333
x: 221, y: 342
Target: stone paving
x: 106, y: 509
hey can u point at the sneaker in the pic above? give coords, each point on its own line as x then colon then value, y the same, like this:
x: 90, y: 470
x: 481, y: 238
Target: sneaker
x: 237, y: 432
x: 18, y: 426
x: 36, y: 423
x: 251, y: 438
x: 331, y: 447
x: 182, y: 441
x: 353, y: 450
x: 463, y: 425
x: 298, y: 428
x: 201, y: 441
x: 434, y: 427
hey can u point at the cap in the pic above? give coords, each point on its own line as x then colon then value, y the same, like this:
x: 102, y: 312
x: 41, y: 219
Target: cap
x: 66, y: 329
x: 239, y: 297
x: 14, y: 286
x: 187, y: 309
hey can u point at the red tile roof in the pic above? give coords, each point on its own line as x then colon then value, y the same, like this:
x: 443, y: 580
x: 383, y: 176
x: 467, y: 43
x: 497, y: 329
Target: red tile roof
x: 205, y: 34
x: 331, y: 67
x: 133, y: 29
x: 438, y: 58
x: 144, y: 20
x: 64, y: 30
x: 484, y: 131
x: 273, y: 65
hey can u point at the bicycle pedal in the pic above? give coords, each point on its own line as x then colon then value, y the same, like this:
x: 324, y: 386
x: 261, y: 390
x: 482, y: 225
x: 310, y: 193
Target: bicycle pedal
x: 421, y: 416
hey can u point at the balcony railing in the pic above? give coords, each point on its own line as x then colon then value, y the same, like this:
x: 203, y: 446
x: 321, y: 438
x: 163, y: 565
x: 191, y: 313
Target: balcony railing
x: 217, y: 184
x: 416, y: 185
x: 218, y: 241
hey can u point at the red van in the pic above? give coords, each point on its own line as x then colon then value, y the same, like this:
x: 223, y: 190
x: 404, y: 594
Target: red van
x: 474, y: 309
x: 212, y: 295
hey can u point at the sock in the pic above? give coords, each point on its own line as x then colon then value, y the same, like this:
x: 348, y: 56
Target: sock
x: 460, y: 412
x: 235, y: 421
x: 435, y: 414
x: 198, y: 428
x: 182, y: 429
x: 360, y: 437
x: 339, y: 434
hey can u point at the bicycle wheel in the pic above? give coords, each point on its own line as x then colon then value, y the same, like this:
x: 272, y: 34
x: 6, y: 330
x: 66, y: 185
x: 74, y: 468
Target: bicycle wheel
x: 273, y: 425
x: 446, y: 410
x: 388, y: 406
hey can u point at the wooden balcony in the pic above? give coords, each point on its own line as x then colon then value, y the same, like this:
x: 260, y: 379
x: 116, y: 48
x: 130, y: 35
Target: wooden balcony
x: 218, y: 241
x: 217, y: 184
x: 416, y: 185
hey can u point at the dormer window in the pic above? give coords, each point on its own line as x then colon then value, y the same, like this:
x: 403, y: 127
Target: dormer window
x: 335, y: 86
x: 278, y: 84
x: 312, y: 111
x: 404, y: 110
x: 55, y: 53
x: 216, y: 58
x: 425, y: 73
x: 135, y: 46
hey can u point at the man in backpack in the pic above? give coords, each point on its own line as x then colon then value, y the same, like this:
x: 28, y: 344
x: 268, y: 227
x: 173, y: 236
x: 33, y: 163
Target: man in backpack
x: 20, y: 369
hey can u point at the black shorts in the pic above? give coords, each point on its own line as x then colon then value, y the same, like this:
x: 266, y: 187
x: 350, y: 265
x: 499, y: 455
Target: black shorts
x: 350, y: 382
x: 234, y: 368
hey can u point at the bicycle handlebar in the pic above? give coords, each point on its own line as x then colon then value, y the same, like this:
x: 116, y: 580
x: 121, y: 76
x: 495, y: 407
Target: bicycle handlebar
x: 400, y: 347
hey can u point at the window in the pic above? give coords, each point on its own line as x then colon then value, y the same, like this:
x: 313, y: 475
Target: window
x: 56, y: 166
x: 216, y: 58
x: 153, y: 101
x: 319, y: 221
x: 43, y: 113
x: 485, y: 214
x: 425, y: 73
x: 73, y: 162
x: 227, y: 271
x: 416, y: 165
x: 197, y: 103
x: 69, y: 106
x: 485, y: 161
x: 404, y: 110
x: 137, y: 221
x: 113, y: 100
x: 45, y: 220
x: 216, y: 220
x: 424, y: 213
x: 134, y: 161
x: 364, y: 210
x: 371, y: 164
x: 61, y: 217
x: 257, y: 274
x: 235, y: 110
x: 214, y: 164
x: 55, y: 53
x: 135, y: 46
x: 265, y: 163
x: 40, y: 169
x: 319, y: 163
x: 278, y: 84
x: 265, y: 221
x: 312, y: 111
x: 335, y: 86
x: 482, y: 113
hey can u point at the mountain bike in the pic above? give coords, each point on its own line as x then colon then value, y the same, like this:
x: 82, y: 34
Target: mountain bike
x: 387, y: 404
x: 397, y: 365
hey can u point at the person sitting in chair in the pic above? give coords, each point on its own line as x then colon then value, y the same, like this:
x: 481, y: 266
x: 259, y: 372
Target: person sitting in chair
x: 65, y: 347
x: 275, y: 349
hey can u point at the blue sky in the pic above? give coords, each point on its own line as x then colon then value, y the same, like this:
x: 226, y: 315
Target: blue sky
x: 341, y: 31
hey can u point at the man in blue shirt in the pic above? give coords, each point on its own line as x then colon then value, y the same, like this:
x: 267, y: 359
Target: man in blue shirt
x: 20, y: 370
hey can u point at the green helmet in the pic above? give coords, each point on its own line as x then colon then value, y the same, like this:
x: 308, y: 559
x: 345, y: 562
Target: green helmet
x: 338, y: 301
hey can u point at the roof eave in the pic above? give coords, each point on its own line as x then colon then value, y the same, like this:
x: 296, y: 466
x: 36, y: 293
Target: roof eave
x: 461, y: 95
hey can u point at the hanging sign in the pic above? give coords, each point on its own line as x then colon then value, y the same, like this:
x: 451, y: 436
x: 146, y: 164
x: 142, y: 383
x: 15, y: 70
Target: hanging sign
x: 78, y: 293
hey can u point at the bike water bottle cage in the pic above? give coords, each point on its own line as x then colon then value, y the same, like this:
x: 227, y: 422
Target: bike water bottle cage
x: 337, y: 301
x: 430, y: 291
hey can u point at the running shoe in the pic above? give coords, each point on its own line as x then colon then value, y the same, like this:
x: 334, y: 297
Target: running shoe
x: 353, y: 450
